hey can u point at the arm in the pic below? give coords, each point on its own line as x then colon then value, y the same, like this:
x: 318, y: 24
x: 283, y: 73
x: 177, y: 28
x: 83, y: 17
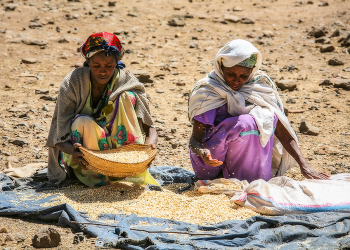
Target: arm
x: 197, y: 146
x: 292, y: 148
x: 151, y: 135
x: 73, y: 150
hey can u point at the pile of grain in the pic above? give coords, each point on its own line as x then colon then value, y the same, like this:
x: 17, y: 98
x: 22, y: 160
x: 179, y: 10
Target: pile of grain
x: 128, y: 198
x: 126, y: 156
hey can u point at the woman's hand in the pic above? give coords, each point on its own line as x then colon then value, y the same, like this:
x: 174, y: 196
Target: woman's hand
x: 78, y: 156
x: 311, y: 173
x: 206, y: 156
x: 73, y: 150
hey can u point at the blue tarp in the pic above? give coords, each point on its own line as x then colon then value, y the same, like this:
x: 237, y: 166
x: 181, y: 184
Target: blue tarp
x: 328, y: 230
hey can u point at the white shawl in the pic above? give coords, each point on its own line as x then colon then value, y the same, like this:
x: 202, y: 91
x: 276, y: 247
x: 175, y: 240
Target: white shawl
x: 260, y: 92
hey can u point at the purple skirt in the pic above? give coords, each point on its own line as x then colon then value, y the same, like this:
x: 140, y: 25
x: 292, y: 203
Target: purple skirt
x: 234, y: 141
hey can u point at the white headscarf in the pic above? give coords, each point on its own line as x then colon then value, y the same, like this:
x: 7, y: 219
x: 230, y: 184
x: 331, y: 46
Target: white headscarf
x: 260, y: 92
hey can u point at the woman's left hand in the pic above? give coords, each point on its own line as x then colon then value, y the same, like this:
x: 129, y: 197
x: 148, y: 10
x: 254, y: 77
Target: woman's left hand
x: 311, y: 173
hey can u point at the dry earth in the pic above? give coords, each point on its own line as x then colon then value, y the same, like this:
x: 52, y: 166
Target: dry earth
x: 40, y: 41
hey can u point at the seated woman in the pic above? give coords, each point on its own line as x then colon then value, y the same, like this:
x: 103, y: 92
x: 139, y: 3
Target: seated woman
x: 100, y: 106
x: 239, y: 125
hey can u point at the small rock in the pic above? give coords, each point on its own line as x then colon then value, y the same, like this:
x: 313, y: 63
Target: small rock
x: 176, y: 22
x: 308, y: 129
x: 335, y: 33
x: 290, y: 100
x: 323, y: 40
x: 342, y: 83
x: 41, y: 91
x: 237, y: 9
x: 193, y: 45
x: 346, y: 42
x: 174, y: 145
x: 29, y: 60
x: 335, y: 62
x: 19, y: 142
x: 327, y: 48
x: 10, y: 237
x: 63, y: 40
x: 31, y: 41
x: 111, y: 3
x: 143, y: 76
x: 325, y: 82
x: 159, y: 91
x: 287, y: 84
x: 46, y: 238
x: 322, y: 4
x: 10, y: 7
x: 35, y: 24
x: 3, y: 230
x: 48, y: 98
x: 268, y: 33
x: 232, y: 18
x: 247, y: 20
x: 317, y: 33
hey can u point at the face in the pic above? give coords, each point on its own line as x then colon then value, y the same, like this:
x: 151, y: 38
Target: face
x: 102, y: 68
x: 236, y: 76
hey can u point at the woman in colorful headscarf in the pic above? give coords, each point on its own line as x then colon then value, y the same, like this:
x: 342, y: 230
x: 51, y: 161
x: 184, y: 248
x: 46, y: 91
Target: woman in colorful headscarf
x: 239, y: 125
x: 99, y: 106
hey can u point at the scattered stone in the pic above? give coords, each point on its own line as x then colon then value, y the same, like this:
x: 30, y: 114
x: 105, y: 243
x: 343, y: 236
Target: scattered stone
x: 46, y: 238
x: 290, y: 100
x: 29, y: 60
x: 41, y: 91
x: 31, y: 41
x: 20, y: 238
x: 159, y: 91
x: 48, y: 98
x: 325, y: 150
x: 143, y: 76
x: 237, y: 9
x: 287, y: 84
x: 323, y: 40
x: 322, y: 4
x: 176, y: 22
x: 335, y: 62
x: 193, y: 45
x: 63, y: 40
x: 346, y: 42
x: 327, y: 48
x: 317, y: 33
x: 19, y: 142
x: 232, y: 18
x: 342, y: 83
x: 268, y: 33
x: 112, y: 3
x: 247, y: 20
x: 10, y: 7
x: 347, y: 69
x: 3, y: 230
x: 174, y: 145
x: 35, y: 24
x: 335, y: 33
x: 10, y: 237
x: 308, y: 129
x: 325, y: 82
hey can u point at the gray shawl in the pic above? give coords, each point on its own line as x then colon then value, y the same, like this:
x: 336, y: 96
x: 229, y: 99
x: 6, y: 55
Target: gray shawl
x: 73, y: 93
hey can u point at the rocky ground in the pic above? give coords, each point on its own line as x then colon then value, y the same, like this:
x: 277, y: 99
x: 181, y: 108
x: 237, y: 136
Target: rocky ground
x: 170, y: 45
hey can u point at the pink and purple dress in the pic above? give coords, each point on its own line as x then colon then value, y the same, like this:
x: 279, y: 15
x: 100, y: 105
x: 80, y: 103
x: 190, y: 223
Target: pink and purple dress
x: 234, y: 141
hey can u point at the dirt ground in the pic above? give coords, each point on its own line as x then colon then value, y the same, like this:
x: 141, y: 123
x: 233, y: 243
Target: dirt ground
x: 40, y: 41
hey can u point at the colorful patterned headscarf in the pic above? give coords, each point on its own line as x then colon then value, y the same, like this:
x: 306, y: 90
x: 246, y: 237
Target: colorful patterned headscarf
x: 103, y: 41
x: 249, y: 62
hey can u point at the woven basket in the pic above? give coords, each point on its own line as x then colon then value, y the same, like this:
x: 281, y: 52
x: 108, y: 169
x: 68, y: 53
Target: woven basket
x: 117, y: 169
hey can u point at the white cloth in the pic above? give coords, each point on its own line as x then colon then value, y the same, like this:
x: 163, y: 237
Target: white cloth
x: 260, y: 92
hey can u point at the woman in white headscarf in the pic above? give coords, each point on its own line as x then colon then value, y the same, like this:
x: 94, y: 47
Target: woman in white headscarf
x: 239, y: 125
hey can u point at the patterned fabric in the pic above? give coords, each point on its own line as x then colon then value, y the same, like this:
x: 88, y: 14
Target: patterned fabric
x: 249, y: 62
x: 102, y: 41
x: 119, y: 128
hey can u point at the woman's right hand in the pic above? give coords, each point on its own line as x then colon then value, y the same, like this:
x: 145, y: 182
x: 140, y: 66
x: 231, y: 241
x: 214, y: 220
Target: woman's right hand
x: 78, y: 156
x: 206, y: 156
